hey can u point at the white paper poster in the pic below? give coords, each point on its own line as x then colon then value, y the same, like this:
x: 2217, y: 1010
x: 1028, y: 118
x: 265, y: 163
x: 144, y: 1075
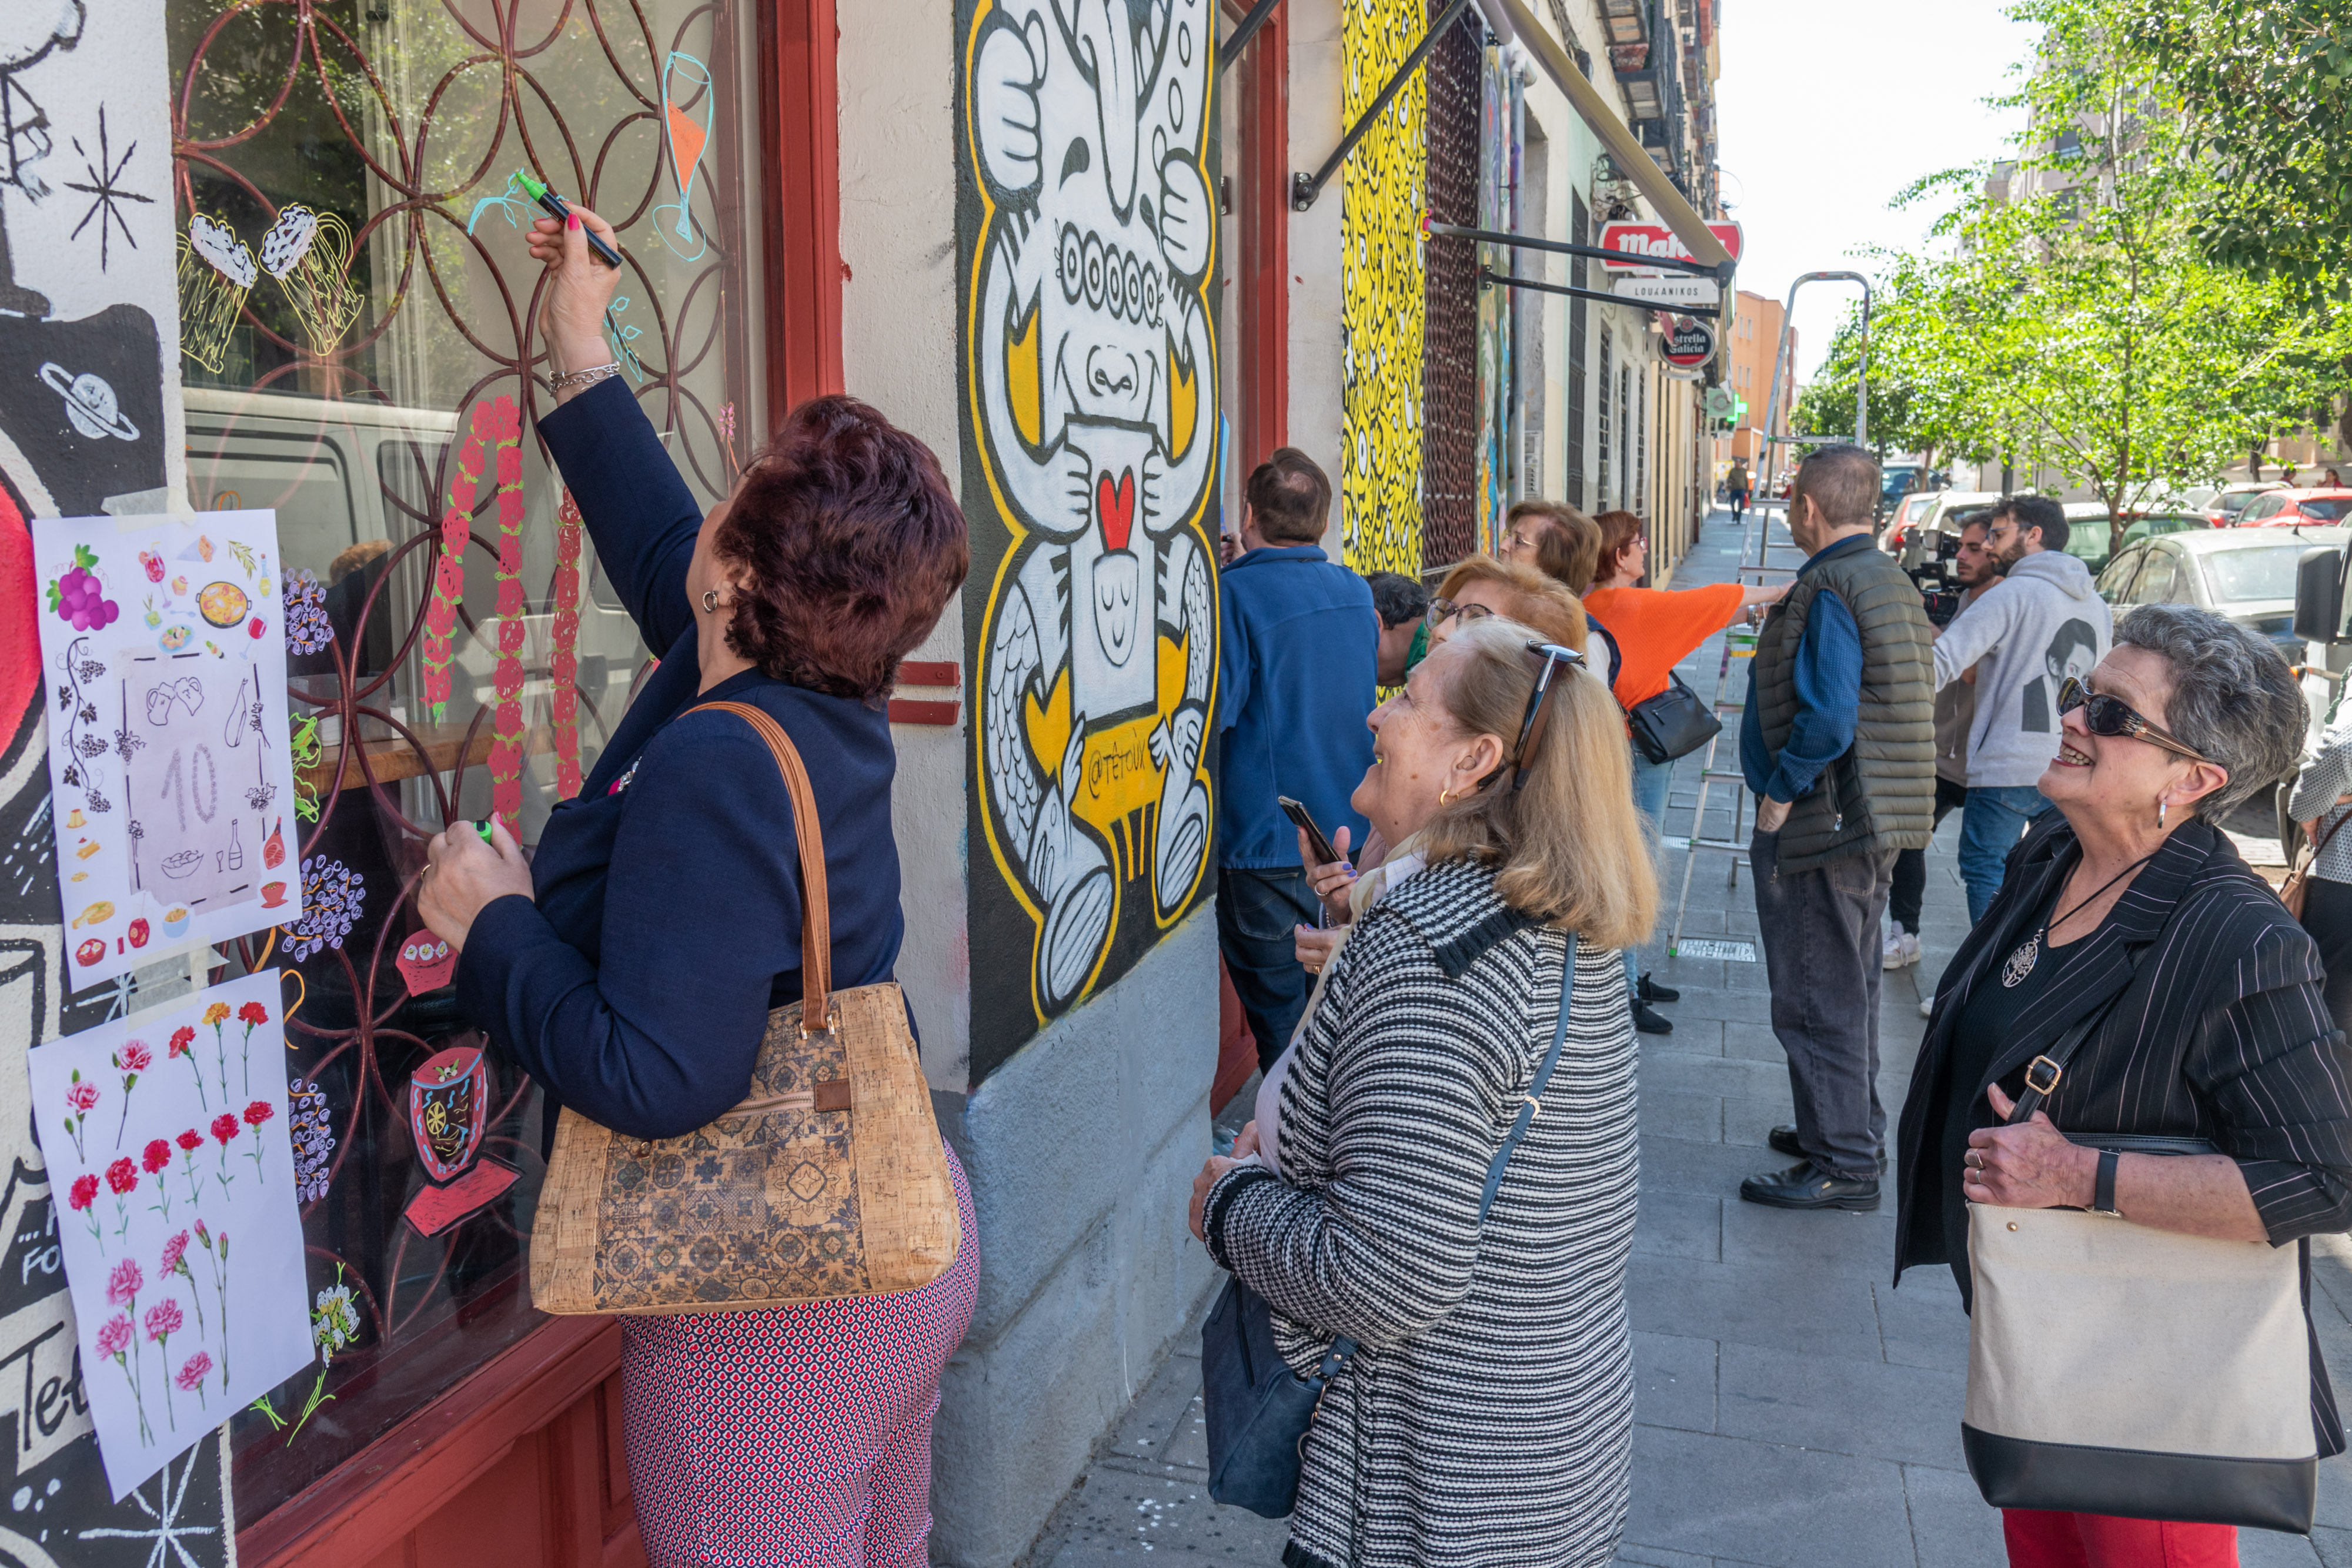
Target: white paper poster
x: 164, y: 646
x: 166, y: 1135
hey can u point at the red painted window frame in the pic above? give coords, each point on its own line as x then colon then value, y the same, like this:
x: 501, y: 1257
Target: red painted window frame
x: 1262, y: 161
x: 392, y: 1486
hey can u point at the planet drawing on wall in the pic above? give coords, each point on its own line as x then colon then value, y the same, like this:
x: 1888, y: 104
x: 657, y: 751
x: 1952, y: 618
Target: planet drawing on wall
x: 90, y: 402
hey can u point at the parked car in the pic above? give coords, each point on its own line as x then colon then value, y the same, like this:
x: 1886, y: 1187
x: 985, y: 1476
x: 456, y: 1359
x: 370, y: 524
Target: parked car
x: 2087, y: 530
x: 1950, y: 509
x: 2231, y: 499
x: 2246, y: 575
x: 2297, y: 509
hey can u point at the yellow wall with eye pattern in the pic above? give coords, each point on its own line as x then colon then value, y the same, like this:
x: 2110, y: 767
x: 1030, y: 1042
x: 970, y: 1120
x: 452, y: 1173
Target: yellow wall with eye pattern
x: 1382, y: 297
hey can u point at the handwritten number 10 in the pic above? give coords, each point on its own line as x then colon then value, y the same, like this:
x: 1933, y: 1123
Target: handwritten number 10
x: 206, y: 790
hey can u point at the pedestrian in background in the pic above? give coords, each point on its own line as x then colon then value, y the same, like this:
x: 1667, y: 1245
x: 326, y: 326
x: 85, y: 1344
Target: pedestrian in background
x: 1656, y: 628
x: 2043, y: 623
x: 2321, y: 801
x: 1300, y: 654
x: 1975, y: 571
x: 1734, y: 485
x: 2129, y: 906
x: 1500, y: 775
x: 1838, y: 742
x: 1402, y: 604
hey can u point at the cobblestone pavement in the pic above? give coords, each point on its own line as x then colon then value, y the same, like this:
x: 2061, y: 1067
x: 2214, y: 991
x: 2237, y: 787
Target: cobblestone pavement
x: 1793, y: 1409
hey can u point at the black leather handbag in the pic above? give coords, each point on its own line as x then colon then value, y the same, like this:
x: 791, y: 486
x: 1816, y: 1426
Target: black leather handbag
x: 1673, y: 724
x: 1258, y: 1409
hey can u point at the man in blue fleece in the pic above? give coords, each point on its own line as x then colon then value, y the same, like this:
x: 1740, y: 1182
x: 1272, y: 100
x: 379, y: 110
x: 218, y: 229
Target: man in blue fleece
x: 1838, y: 741
x: 1295, y: 686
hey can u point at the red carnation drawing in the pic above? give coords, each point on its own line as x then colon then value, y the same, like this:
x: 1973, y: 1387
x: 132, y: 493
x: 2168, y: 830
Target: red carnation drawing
x: 255, y: 1114
x: 81, y: 1097
x: 155, y: 1159
x: 176, y: 1261
x: 130, y: 1060
x: 118, y: 1341
x: 183, y: 1039
x: 192, y: 1375
x: 162, y: 1321
x: 190, y: 1141
x: 121, y: 1181
x: 252, y: 1015
x: 225, y: 1134
x: 84, y: 1193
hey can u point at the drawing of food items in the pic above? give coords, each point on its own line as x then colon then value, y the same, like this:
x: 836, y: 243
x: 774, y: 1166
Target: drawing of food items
x: 309, y: 253
x: 217, y: 272
x: 448, y: 1104
x: 222, y: 604
x: 77, y: 596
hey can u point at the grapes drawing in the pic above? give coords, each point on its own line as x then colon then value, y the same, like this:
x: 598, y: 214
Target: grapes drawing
x: 79, y: 598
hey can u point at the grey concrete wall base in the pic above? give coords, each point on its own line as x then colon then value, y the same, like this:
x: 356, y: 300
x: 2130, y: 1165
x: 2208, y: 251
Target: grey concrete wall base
x: 1081, y: 1151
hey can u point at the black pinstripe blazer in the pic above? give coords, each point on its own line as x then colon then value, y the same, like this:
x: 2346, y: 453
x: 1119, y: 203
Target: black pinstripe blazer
x: 2217, y: 1030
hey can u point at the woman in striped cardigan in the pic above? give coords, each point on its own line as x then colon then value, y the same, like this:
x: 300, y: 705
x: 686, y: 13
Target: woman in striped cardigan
x: 1487, y: 1416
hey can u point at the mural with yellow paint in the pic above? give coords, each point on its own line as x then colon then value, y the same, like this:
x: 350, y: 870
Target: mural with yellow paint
x: 1087, y: 248
x: 1382, y: 291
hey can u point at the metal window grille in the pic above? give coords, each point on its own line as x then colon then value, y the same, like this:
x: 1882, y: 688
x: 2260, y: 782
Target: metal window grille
x: 1642, y: 447
x: 1449, y: 453
x: 1580, y: 229
x: 1603, y: 493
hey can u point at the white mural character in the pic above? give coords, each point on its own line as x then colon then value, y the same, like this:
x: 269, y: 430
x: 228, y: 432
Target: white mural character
x: 1095, y: 357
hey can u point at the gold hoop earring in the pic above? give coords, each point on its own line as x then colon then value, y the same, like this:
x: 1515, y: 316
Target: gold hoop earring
x: 1446, y: 797
x: 2160, y: 807
x: 710, y: 600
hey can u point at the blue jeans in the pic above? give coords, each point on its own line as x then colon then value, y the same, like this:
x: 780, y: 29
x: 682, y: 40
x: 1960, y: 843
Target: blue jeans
x: 1650, y: 782
x: 1258, y: 913
x: 1992, y: 821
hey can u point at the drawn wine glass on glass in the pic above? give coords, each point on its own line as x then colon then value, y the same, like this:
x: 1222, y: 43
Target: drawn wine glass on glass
x: 684, y: 77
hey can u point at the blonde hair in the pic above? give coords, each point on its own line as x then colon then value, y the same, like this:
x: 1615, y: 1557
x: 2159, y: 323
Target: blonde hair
x: 1529, y: 597
x: 1568, y: 848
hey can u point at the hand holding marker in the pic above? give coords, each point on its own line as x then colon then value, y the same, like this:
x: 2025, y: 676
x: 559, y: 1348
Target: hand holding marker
x: 557, y: 208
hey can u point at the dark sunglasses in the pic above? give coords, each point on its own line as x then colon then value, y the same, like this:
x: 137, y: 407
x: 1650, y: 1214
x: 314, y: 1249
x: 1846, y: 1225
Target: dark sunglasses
x: 2112, y: 717
x: 1552, y: 658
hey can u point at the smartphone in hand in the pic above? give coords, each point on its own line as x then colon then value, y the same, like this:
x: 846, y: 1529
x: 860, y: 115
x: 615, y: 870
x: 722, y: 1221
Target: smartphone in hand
x: 1317, y: 842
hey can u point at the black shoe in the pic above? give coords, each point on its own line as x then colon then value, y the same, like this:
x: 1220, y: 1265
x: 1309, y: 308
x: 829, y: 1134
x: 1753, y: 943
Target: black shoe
x: 1649, y: 1021
x: 1806, y: 1186
x: 1649, y: 990
x: 1783, y: 1140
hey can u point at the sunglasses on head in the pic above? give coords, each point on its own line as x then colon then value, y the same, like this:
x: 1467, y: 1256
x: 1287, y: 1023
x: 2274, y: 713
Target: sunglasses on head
x: 2112, y: 717
x: 1551, y: 659
x: 1441, y: 610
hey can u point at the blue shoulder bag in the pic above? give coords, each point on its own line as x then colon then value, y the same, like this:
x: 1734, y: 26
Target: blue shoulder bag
x: 1258, y: 1409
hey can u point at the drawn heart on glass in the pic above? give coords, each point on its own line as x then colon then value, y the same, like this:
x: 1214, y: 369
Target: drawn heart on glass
x: 187, y: 691
x: 1115, y: 506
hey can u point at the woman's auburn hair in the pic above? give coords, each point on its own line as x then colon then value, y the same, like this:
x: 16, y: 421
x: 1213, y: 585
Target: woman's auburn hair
x: 1568, y: 848
x: 853, y: 543
x: 1534, y: 598
x: 1618, y: 531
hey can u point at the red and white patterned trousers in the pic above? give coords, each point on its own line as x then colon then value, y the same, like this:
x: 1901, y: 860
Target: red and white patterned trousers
x: 798, y: 1439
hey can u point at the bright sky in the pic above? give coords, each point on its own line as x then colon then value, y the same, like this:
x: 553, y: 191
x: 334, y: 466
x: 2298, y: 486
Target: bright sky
x: 1828, y: 109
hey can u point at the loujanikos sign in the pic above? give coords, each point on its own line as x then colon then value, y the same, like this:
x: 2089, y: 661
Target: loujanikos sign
x: 1087, y: 241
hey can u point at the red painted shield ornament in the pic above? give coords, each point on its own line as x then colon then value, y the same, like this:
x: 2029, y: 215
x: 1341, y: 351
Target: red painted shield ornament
x: 448, y: 1106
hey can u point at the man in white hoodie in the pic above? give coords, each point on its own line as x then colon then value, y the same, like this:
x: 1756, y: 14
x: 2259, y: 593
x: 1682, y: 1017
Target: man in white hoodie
x: 2041, y: 623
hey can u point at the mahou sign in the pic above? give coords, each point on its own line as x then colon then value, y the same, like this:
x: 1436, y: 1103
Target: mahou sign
x: 1656, y: 239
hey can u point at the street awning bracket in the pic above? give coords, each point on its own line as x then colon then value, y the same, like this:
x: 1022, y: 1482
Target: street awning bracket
x: 1562, y: 248
x: 1305, y: 188
x: 1243, y: 31
x: 1709, y: 311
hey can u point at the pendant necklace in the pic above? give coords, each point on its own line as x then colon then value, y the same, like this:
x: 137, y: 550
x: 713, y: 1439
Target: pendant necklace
x: 2029, y: 952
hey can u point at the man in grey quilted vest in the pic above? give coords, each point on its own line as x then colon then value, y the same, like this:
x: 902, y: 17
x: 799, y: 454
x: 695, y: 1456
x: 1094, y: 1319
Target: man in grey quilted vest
x: 1838, y: 741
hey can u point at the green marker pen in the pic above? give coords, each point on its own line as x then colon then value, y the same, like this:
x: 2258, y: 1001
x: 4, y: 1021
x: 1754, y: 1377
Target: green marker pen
x: 483, y: 829
x: 558, y: 209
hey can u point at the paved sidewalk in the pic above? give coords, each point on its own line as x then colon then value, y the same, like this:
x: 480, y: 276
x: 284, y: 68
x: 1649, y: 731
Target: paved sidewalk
x: 1793, y: 1410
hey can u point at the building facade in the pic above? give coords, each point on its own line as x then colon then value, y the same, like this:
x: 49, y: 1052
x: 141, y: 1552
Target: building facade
x: 1049, y: 239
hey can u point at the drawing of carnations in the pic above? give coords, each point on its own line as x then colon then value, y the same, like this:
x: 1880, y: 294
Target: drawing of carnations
x: 122, y: 1288
x: 164, y: 1320
x: 219, y: 1266
x: 81, y: 1096
x: 190, y: 1141
x: 130, y: 1060
x: 121, y: 1181
x: 155, y: 1159
x: 183, y: 1039
x: 215, y: 1016
x: 176, y: 1261
x: 84, y: 1194
x: 255, y: 1114
x: 192, y: 1375
x: 225, y: 1134
x: 252, y: 1016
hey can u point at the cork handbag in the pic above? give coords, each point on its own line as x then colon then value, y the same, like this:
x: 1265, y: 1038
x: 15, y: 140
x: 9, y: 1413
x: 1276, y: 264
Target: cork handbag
x: 828, y: 1180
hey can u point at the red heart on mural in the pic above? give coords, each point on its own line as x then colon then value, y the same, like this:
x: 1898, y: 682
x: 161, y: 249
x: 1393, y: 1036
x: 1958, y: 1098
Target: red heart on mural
x: 20, y: 642
x: 1114, y: 504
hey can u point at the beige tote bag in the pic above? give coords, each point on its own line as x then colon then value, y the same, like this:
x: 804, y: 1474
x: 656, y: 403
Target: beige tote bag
x: 828, y: 1180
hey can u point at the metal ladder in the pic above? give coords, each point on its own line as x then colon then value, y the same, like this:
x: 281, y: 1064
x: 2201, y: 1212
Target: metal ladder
x: 1739, y: 644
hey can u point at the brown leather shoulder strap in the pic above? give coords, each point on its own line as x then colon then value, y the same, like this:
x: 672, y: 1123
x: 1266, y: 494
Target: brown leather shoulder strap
x: 816, y: 911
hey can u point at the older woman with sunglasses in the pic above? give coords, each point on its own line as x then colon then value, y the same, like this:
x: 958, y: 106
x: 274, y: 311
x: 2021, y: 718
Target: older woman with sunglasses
x: 2128, y: 905
x: 1479, y: 985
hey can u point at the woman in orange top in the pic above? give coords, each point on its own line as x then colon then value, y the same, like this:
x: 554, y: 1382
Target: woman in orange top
x: 1654, y: 628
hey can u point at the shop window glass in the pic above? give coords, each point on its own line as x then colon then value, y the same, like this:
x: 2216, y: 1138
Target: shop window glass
x: 356, y: 302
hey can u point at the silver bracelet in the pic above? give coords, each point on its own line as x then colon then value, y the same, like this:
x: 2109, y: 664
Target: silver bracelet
x: 582, y: 378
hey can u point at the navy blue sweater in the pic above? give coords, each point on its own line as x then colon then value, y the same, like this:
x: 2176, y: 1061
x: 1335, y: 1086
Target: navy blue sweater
x: 1300, y: 655
x: 1829, y: 695
x: 636, y: 984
